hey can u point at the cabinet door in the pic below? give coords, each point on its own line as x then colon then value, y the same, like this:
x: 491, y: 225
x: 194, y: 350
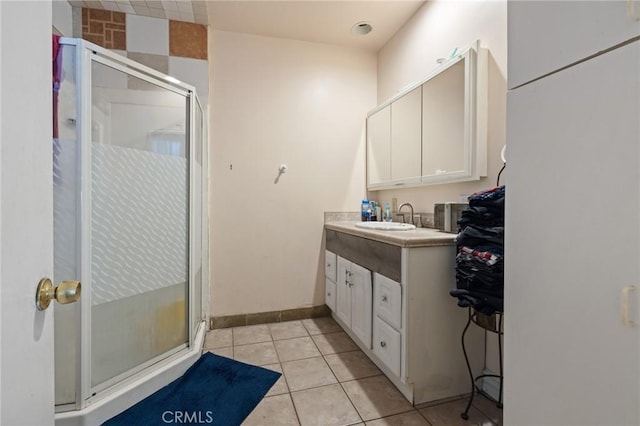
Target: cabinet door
x: 360, y: 280
x: 388, y: 300
x: 406, y: 136
x: 379, y: 146
x: 573, y: 244
x: 343, y: 291
x: 545, y: 36
x: 386, y: 345
x: 330, y: 265
x: 330, y: 294
x: 445, y: 128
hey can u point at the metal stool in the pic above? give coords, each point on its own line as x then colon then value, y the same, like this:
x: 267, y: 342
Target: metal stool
x: 489, y: 324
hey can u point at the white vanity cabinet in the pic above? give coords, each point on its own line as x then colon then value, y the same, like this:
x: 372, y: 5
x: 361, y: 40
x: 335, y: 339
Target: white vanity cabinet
x: 353, y: 299
x: 407, y: 323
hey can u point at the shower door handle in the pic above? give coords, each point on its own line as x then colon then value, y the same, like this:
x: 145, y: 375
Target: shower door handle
x: 66, y: 292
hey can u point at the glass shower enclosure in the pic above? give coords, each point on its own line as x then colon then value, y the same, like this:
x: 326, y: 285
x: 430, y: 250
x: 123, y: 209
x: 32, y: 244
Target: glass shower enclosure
x: 129, y: 172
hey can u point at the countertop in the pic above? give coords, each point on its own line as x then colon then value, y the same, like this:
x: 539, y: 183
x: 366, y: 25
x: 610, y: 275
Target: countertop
x: 419, y: 237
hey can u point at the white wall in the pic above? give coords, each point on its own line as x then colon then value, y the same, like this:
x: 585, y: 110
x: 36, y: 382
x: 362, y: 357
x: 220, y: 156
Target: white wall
x: 273, y: 102
x: 62, y: 17
x: 434, y: 32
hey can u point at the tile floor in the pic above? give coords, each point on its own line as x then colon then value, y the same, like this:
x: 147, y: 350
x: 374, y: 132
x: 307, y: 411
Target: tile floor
x: 326, y: 380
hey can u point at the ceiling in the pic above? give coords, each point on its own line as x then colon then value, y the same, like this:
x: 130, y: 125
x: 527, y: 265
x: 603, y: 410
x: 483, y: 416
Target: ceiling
x: 324, y: 21
x: 317, y: 21
x: 178, y: 10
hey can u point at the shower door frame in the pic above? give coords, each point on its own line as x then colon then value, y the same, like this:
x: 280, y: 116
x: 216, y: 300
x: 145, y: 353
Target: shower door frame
x: 85, y: 54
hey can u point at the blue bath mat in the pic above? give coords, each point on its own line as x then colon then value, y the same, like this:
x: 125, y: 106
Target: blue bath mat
x: 215, y: 391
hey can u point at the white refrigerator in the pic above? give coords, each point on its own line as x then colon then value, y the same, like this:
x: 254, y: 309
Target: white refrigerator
x: 572, y: 236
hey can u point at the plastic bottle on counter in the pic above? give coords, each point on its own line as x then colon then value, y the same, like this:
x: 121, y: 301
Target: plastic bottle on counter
x: 387, y: 213
x: 374, y: 211
x: 365, y: 211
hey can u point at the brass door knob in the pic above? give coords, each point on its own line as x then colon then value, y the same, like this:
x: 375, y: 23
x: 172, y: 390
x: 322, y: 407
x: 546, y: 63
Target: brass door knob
x: 66, y: 292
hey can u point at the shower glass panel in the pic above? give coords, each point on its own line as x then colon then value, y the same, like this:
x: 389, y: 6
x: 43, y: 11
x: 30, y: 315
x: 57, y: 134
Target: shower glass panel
x: 66, y: 220
x: 196, y: 209
x: 139, y: 223
x: 129, y: 168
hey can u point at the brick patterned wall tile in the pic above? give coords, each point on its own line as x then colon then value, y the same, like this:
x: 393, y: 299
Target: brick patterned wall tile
x: 104, y: 28
x: 187, y: 40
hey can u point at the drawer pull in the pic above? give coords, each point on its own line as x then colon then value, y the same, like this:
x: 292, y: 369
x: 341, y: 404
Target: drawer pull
x: 329, y: 294
x: 383, y: 344
x: 384, y: 298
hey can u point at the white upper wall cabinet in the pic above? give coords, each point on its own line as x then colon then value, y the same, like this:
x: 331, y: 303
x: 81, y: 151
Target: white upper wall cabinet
x: 435, y: 131
x: 565, y: 32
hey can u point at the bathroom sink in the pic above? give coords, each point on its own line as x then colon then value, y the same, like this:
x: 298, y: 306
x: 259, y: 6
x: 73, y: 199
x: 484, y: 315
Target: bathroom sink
x: 386, y: 226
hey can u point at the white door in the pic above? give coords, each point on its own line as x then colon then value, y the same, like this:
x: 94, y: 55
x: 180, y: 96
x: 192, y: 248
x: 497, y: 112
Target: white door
x: 26, y: 229
x: 343, y: 292
x: 361, y: 298
x: 573, y: 245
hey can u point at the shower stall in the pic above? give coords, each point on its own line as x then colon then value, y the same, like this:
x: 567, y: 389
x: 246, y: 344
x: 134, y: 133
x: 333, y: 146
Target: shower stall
x: 129, y: 176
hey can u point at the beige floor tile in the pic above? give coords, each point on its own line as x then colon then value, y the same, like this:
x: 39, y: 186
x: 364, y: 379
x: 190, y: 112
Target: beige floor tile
x: 488, y: 408
x: 228, y: 352
x: 321, y: 325
x: 449, y: 415
x: 307, y: 373
x: 376, y: 397
x: 324, y: 406
x: 287, y: 330
x: 256, y: 354
x: 218, y: 338
x: 280, y: 386
x: 334, y: 343
x: 351, y: 365
x: 412, y: 418
x: 298, y: 348
x: 274, y: 410
x: 251, y: 334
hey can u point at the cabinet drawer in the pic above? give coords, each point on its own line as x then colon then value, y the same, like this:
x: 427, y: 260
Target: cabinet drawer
x: 386, y: 345
x: 387, y: 296
x: 330, y: 294
x: 330, y: 270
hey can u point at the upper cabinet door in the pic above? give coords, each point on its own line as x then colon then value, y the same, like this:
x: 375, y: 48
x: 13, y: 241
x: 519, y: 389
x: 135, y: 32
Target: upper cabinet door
x: 545, y: 36
x: 445, y: 128
x: 406, y: 136
x: 379, y: 146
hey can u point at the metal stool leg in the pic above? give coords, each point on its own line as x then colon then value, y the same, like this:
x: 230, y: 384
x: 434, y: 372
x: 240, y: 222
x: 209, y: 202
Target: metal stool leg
x: 500, y: 355
x: 465, y: 413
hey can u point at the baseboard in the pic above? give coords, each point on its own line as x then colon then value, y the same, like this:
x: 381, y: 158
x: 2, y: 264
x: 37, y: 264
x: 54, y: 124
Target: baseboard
x: 268, y: 317
x: 491, y: 385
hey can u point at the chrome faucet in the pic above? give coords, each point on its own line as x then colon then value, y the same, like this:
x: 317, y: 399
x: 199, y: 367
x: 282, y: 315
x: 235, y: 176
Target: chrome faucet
x: 410, y: 206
